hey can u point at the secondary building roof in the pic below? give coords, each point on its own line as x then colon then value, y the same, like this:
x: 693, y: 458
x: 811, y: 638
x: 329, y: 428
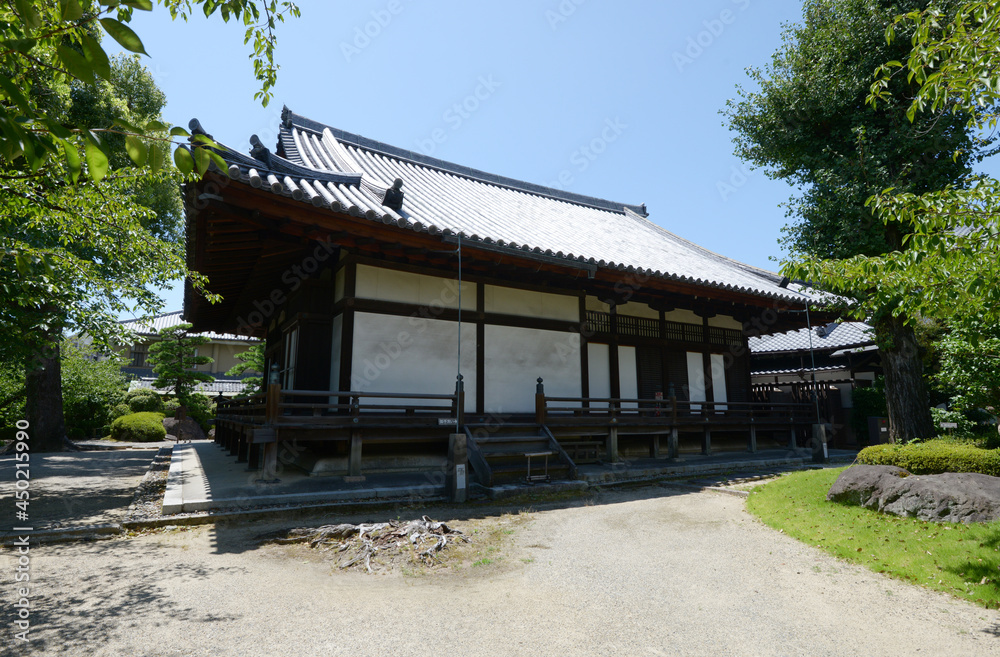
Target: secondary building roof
x: 828, y: 337
x: 151, y: 326
x: 329, y: 168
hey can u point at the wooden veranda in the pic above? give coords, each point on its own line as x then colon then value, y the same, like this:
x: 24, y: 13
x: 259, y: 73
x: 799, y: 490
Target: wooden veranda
x: 564, y: 430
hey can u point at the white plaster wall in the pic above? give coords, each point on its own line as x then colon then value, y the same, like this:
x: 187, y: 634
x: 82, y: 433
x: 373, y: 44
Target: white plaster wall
x: 719, y: 393
x: 696, y: 379
x: 683, y: 316
x: 638, y: 310
x: 599, y: 369
x: 526, y: 303
x: 628, y: 376
x: 405, y: 287
x: 593, y: 303
x: 412, y: 355
x: 516, y: 357
x: 725, y: 321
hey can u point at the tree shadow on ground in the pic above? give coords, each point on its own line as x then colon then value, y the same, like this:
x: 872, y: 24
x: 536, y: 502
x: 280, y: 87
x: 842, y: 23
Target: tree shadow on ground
x: 74, y: 613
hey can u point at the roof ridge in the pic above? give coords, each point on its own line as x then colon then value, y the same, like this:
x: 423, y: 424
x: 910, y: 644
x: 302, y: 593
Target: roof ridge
x: 290, y: 119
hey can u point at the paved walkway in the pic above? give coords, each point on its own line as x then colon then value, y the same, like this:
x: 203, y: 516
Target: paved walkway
x: 73, y: 489
x: 203, y: 476
x: 643, y: 572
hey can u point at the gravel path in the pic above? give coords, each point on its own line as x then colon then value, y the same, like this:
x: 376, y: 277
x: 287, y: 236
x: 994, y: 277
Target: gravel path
x: 643, y: 572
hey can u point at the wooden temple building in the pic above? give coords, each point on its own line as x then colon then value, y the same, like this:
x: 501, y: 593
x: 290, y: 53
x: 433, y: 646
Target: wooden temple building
x: 403, y: 299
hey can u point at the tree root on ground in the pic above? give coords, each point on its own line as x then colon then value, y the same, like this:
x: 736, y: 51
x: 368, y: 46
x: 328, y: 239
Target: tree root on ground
x: 423, y: 539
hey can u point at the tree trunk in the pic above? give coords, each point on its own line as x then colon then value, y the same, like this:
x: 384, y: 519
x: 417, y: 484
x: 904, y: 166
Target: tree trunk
x: 905, y: 390
x: 44, y: 404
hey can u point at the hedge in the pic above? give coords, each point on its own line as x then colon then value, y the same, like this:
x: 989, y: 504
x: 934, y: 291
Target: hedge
x: 934, y: 457
x: 139, y: 427
x: 144, y: 400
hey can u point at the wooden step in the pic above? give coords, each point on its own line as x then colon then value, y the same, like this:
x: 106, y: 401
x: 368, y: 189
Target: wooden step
x: 509, y: 439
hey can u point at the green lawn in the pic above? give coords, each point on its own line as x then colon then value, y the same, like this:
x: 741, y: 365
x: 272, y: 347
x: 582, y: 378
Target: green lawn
x: 960, y: 559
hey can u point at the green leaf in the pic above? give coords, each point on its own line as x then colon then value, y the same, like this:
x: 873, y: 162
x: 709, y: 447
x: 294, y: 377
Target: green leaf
x: 96, y: 56
x: 28, y: 13
x: 72, y: 160
x: 219, y: 160
x: 156, y: 126
x: 142, y: 5
x: 75, y: 63
x: 156, y: 153
x: 122, y: 123
x: 71, y: 10
x: 20, y: 45
x: 136, y: 149
x: 97, y: 161
x: 184, y: 161
x: 201, y: 159
x: 15, y: 95
x: 178, y: 131
x: 124, y: 35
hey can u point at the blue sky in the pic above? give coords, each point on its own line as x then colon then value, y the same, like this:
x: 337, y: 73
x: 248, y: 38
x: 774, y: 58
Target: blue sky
x: 615, y: 100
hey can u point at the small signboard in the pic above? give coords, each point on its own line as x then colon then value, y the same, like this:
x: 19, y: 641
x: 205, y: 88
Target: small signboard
x: 447, y: 422
x: 949, y: 425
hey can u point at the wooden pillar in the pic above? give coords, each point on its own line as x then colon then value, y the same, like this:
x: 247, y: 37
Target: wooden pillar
x: 706, y: 445
x: 354, y: 460
x: 540, y: 414
x: 243, y: 449
x: 654, y: 447
x: 253, y: 457
x: 613, y: 444
x: 793, y: 443
x: 753, y: 439
x: 269, y: 472
x: 674, y: 448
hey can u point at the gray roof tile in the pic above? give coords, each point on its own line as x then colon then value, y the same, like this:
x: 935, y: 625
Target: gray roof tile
x: 333, y: 169
x: 831, y: 336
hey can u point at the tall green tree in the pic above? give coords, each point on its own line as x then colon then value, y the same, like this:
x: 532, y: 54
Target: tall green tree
x: 174, y: 357
x: 80, y: 232
x: 251, y: 360
x: 808, y: 122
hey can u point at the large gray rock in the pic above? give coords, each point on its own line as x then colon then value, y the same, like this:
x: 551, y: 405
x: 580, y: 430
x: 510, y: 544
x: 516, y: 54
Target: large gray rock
x: 185, y: 429
x: 949, y: 497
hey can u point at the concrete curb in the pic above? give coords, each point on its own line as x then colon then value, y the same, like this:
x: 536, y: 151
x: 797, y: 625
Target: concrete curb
x: 66, y: 534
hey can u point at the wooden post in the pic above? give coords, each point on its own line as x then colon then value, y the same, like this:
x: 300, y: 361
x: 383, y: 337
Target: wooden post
x: 269, y: 472
x: 674, y: 448
x: 354, y: 460
x: 753, y: 438
x: 613, y: 444
x: 540, y: 402
x: 459, y: 408
x: 458, y: 461
x: 706, y: 445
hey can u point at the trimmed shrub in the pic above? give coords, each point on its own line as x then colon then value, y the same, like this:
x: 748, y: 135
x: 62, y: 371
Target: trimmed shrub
x: 139, y: 427
x: 201, y: 409
x: 934, y: 457
x: 170, y: 407
x: 120, y: 410
x: 144, y: 400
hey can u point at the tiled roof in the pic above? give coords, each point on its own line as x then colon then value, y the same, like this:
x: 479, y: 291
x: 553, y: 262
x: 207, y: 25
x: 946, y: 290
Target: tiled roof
x: 332, y: 169
x: 799, y: 370
x: 226, y: 387
x: 154, y: 324
x: 831, y: 336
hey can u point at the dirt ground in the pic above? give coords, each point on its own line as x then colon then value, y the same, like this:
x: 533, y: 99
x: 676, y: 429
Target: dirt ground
x: 652, y: 571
